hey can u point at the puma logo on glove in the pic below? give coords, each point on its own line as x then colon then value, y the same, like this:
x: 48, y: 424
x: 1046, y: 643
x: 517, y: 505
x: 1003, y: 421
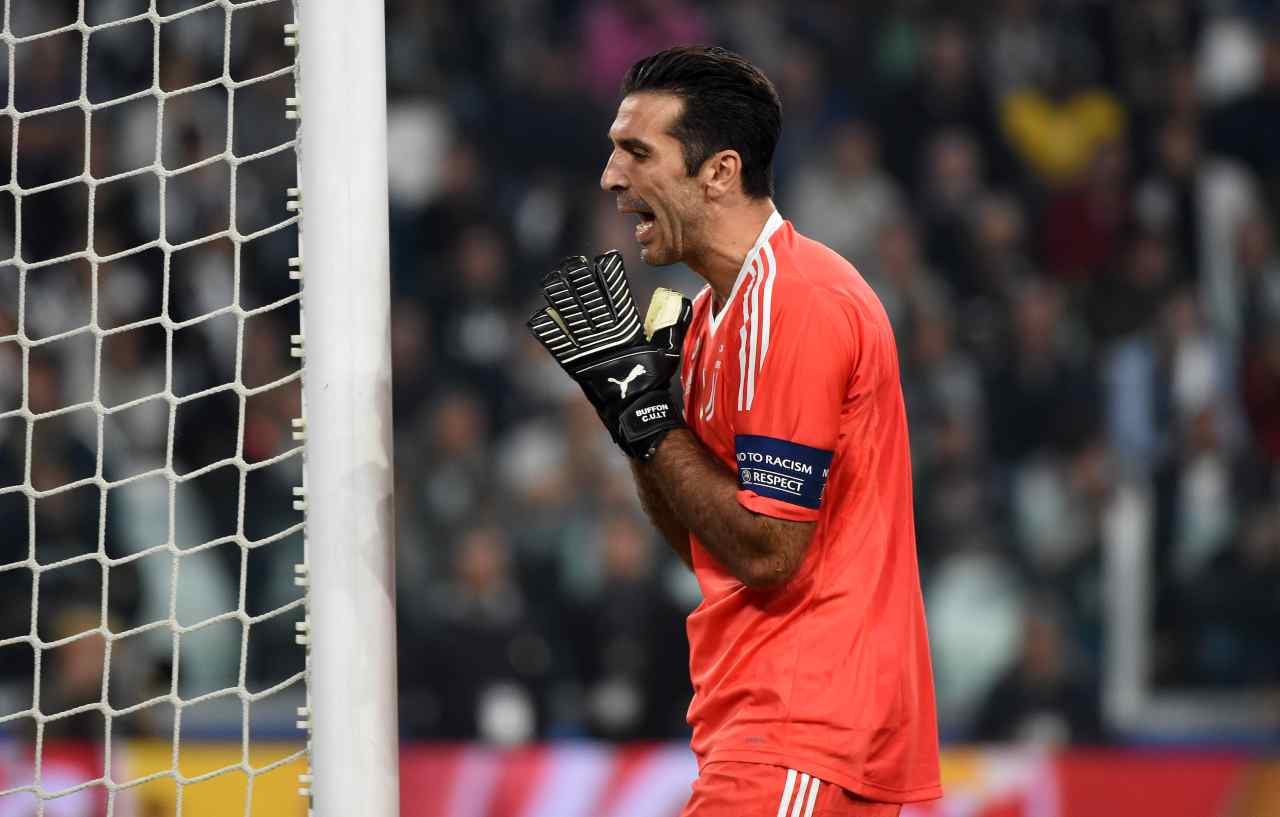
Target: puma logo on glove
x: 622, y: 384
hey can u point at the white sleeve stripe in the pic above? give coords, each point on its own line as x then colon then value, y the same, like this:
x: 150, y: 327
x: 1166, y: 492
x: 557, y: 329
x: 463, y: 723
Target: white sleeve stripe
x: 689, y: 364
x: 742, y: 363
x: 742, y: 340
x: 754, y: 295
x: 786, y: 793
x: 768, y: 301
x: 813, y: 797
x: 710, y: 410
x: 799, y: 801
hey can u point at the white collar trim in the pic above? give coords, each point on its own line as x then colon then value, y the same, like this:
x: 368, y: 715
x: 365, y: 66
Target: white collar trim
x: 770, y: 227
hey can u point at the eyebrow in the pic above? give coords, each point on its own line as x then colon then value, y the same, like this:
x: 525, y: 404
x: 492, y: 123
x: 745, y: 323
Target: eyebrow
x: 632, y: 144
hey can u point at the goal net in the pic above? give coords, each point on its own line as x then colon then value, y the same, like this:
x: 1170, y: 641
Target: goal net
x: 152, y: 570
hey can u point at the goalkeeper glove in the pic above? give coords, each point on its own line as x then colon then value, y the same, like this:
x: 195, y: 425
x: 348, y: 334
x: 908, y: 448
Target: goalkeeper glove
x: 591, y: 327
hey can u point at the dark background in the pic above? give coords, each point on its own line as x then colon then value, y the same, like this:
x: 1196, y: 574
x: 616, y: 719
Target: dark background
x: 1068, y: 208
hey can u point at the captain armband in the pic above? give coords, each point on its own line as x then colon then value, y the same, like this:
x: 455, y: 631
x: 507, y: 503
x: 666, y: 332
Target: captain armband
x: 782, y: 470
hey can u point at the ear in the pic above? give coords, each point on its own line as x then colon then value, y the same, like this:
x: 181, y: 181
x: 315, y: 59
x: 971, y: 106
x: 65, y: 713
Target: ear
x: 721, y: 174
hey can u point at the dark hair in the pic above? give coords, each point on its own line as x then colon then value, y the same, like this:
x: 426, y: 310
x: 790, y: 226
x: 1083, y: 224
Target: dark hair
x: 728, y: 104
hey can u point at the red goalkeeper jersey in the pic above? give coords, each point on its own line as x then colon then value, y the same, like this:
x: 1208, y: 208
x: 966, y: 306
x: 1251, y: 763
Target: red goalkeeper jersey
x: 794, y: 384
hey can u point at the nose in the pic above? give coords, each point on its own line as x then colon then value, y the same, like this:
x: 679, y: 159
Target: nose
x: 612, y: 179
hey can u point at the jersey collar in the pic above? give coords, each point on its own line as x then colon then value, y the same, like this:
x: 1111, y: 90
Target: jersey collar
x: 770, y: 227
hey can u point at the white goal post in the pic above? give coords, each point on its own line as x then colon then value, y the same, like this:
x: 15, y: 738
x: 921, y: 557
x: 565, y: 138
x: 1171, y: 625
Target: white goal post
x: 347, y: 390
x: 150, y: 146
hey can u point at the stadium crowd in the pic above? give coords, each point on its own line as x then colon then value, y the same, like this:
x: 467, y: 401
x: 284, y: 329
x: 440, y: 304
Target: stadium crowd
x: 1068, y: 208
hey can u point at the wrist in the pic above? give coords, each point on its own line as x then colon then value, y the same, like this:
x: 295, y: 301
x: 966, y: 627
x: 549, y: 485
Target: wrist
x: 645, y: 421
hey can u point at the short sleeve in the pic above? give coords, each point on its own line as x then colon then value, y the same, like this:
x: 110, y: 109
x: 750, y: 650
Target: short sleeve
x: 796, y: 362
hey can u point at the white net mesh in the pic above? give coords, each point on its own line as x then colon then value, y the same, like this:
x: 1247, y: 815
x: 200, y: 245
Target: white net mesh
x: 147, y: 537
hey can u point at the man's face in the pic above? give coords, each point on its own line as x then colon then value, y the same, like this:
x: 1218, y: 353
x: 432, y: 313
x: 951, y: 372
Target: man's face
x: 646, y: 170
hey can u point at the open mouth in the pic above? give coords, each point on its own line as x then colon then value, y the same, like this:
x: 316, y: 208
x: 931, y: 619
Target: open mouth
x: 647, y: 223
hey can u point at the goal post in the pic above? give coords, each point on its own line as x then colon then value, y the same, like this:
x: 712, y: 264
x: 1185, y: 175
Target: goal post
x: 347, y: 394
x: 193, y: 254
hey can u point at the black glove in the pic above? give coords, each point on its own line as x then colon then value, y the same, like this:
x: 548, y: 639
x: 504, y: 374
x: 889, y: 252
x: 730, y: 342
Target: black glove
x: 592, y: 329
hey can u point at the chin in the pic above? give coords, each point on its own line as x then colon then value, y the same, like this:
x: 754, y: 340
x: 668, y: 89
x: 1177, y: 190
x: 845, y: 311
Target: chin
x: 657, y: 256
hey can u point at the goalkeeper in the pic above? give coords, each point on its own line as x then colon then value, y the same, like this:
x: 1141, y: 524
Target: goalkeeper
x: 783, y: 477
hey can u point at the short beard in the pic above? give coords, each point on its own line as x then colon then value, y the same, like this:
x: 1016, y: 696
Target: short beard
x: 660, y: 261
x: 689, y: 232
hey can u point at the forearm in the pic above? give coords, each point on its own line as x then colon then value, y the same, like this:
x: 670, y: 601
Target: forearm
x: 659, y: 512
x: 701, y: 494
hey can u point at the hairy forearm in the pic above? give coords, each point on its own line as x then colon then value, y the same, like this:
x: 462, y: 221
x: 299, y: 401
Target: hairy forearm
x: 701, y: 494
x: 659, y: 512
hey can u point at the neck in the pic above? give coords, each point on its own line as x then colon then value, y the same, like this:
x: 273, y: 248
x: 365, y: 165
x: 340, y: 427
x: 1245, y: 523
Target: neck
x: 730, y: 234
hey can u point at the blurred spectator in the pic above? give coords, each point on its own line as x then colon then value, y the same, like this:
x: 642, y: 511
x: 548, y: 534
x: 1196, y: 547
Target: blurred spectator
x: 946, y: 92
x: 412, y: 359
x: 1226, y: 637
x: 1040, y: 392
x: 944, y: 391
x: 1255, y: 286
x: 953, y: 182
x: 73, y: 678
x: 1019, y: 45
x: 1129, y: 296
x: 425, y: 236
x: 1199, y: 203
x: 1058, y: 503
x: 975, y: 604
x: 1196, y: 499
x: 942, y: 386
x: 452, y: 485
x: 1044, y: 698
x: 1240, y: 128
x: 756, y: 27
x: 1084, y: 222
x: 489, y: 661
x: 616, y: 34
x: 843, y: 197
x: 998, y: 265
x: 635, y: 685
x: 476, y: 333
x: 905, y: 284
x: 1154, y: 36
x: 813, y: 107
x: 1057, y: 127
x: 1262, y: 391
